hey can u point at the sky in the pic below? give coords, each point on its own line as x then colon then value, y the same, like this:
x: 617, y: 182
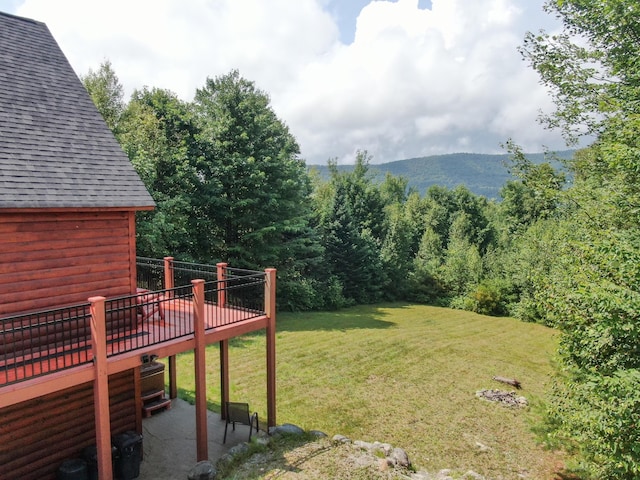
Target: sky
x: 399, y: 79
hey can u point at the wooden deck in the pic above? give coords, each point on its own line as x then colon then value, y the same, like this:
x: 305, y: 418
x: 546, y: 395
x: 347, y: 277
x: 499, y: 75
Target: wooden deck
x: 176, y: 321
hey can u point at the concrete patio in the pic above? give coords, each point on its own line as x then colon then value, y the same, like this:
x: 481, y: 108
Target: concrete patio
x: 169, y: 441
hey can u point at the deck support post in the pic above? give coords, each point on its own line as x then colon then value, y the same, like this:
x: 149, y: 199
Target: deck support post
x: 200, y: 371
x: 270, y: 309
x: 173, y: 376
x: 224, y: 377
x: 101, y: 388
x: 169, y: 283
x: 221, y: 273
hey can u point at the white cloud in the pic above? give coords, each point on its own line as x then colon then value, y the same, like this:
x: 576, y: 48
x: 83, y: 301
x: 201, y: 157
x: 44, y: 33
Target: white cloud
x: 417, y: 82
x: 413, y: 82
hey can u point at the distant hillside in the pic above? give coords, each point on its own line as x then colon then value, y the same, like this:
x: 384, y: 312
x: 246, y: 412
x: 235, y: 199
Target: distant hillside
x: 481, y: 173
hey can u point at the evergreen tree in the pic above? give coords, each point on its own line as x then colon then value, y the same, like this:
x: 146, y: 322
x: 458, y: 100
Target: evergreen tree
x: 352, y: 221
x: 351, y: 252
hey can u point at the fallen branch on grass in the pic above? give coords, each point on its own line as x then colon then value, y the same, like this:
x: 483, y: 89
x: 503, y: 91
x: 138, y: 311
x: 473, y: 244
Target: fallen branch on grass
x: 509, y: 381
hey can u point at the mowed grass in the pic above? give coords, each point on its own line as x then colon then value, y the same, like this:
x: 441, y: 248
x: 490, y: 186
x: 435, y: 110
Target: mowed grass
x: 402, y: 374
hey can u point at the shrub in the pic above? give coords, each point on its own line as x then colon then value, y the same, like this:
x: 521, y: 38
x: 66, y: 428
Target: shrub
x: 490, y: 297
x: 599, y: 416
x: 304, y: 294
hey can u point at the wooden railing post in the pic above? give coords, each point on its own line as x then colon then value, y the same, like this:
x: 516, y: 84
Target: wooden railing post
x: 221, y: 284
x: 200, y: 371
x: 169, y: 283
x: 101, y: 387
x: 270, y: 309
x: 169, y: 278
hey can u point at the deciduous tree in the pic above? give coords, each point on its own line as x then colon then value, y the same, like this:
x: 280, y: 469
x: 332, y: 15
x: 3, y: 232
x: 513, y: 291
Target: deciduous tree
x: 107, y: 93
x: 592, y: 291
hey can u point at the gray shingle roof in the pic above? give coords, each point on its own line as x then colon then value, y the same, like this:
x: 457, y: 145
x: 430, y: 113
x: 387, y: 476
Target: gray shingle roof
x: 56, y: 151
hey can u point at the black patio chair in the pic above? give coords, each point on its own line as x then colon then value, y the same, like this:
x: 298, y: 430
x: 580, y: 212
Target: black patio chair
x: 239, y: 413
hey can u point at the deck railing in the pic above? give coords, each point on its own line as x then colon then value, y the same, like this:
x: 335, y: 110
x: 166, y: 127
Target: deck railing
x: 37, y: 343
x: 150, y: 273
x: 42, y: 342
x: 239, y: 296
x: 159, y: 316
x: 185, y: 272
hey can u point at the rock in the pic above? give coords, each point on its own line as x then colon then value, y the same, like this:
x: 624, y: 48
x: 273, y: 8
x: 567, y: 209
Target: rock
x: 362, y: 461
x: 444, y: 475
x: 262, y: 438
x: 482, y: 448
x: 471, y: 475
x: 393, y: 457
x: 341, y: 439
x: 224, y: 460
x: 400, y: 457
x: 421, y: 475
x: 363, y: 445
x: 287, y: 428
x: 384, y: 447
x: 238, y: 449
x: 202, y: 471
x: 383, y: 465
x: 503, y: 398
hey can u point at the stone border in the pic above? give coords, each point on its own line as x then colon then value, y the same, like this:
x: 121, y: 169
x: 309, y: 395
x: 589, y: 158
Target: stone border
x: 384, y: 455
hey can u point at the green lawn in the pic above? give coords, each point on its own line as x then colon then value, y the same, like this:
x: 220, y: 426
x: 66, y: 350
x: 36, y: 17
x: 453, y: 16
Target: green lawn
x: 402, y: 374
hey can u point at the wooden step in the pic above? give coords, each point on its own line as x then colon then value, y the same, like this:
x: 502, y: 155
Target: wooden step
x: 148, y: 408
x: 151, y: 394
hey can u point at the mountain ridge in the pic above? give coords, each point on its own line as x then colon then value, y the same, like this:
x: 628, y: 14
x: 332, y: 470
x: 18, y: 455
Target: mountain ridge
x: 483, y: 174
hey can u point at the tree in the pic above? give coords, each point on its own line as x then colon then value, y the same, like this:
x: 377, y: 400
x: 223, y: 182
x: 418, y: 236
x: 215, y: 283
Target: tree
x: 591, y: 293
x: 352, y: 222
x: 363, y: 195
x: 395, y: 253
x: 253, y: 193
x: 415, y: 211
x: 252, y: 161
x: 107, y: 93
x: 535, y: 195
x: 462, y: 266
x: 445, y: 205
x: 157, y: 132
x: 591, y: 67
x: 425, y: 278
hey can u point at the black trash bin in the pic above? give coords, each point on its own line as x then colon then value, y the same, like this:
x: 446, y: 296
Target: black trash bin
x: 90, y: 455
x: 72, y: 469
x: 129, y: 455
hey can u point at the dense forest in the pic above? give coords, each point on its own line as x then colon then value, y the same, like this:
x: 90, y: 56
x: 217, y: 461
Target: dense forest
x: 230, y: 185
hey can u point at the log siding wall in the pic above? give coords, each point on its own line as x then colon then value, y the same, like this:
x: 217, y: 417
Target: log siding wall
x: 55, y: 259
x: 38, y: 435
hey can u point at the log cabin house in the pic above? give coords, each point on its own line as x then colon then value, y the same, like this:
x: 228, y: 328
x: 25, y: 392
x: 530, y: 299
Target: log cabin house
x: 79, y: 313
